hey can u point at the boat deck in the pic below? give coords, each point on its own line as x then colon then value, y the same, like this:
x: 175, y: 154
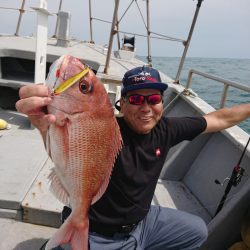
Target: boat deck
x: 23, y: 236
x: 176, y: 195
x: 22, y: 158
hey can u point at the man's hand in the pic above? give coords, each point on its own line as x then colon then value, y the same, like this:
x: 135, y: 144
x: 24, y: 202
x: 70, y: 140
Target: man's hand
x: 33, y: 102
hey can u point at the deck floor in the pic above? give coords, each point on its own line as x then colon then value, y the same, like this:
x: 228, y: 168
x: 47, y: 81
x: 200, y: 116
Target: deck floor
x: 175, y: 194
x: 22, y: 156
x: 23, y: 236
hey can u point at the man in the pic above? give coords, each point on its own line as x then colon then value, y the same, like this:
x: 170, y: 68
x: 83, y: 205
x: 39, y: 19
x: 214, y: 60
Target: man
x: 123, y: 218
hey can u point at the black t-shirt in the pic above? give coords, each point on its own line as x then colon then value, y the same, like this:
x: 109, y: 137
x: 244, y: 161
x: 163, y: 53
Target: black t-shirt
x: 137, y: 169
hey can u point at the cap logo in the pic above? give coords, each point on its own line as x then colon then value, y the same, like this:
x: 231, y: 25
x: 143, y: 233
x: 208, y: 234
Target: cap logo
x: 158, y: 152
x: 142, y: 78
x: 144, y: 73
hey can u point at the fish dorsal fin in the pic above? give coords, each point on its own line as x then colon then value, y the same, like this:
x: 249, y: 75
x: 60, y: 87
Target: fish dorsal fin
x: 57, y: 188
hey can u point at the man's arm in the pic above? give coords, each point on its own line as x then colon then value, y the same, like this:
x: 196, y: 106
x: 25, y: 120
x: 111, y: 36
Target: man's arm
x: 226, y: 117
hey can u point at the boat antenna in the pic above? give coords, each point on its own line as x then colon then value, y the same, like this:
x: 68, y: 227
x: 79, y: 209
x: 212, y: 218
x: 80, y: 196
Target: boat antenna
x: 234, y: 180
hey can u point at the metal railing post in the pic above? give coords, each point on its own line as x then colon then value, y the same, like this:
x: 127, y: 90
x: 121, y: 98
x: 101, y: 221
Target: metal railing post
x: 148, y: 35
x: 90, y: 23
x: 20, y: 18
x: 227, y: 84
x: 59, y: 9
x: 118, y: 34
x: 224, y: 95
x: 186, y: 44
x: 190, y: 74
x: 41, y: 42
x: 112, y: 32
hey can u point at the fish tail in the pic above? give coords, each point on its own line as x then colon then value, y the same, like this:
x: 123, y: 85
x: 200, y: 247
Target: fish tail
x: 74, y: 233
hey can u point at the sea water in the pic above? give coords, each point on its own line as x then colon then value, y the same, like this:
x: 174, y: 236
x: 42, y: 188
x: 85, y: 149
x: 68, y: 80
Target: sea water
x: 237, y: 70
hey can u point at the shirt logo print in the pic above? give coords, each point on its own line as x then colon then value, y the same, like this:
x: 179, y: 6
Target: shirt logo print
x: 157, y: 152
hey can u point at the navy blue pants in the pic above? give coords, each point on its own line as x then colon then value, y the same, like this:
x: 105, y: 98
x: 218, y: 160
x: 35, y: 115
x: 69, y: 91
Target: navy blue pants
x: 162, y: 229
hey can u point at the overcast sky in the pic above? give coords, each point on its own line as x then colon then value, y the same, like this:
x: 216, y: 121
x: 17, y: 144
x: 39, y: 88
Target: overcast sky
x: 222, y: 29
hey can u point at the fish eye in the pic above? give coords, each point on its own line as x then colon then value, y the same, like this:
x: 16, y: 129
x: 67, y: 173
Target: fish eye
x: 85, y: 87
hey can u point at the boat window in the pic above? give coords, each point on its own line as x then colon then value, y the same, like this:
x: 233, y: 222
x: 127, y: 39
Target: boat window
x: 19, y: 69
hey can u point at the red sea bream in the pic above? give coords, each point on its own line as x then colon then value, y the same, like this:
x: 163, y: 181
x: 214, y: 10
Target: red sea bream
x: 83, y: 144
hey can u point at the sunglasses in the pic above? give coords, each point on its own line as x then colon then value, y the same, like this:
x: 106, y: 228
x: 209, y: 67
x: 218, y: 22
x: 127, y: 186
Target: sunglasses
x: 137, y: 99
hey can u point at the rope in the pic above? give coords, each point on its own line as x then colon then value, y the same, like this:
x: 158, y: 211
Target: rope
x: 187, y: 92
x: 169, y: 37
x: 125, y: 11
x: 170, y: 103
x: 141, y: 15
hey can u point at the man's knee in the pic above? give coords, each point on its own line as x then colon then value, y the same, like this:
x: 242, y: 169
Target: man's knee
x: 200, y: 230
x: 183, y: 230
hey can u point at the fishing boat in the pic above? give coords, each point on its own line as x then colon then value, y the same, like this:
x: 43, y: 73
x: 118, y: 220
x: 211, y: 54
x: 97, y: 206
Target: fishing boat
x: 208, y: 176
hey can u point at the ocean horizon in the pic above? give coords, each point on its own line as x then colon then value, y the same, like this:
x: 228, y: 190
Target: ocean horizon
x: 232, y: 69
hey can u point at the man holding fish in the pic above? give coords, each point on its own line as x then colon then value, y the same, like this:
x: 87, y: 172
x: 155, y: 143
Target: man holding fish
x: 116, y: 211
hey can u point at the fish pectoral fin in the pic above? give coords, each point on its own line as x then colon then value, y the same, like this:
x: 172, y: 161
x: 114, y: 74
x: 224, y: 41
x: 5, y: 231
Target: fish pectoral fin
x: 57, y: 188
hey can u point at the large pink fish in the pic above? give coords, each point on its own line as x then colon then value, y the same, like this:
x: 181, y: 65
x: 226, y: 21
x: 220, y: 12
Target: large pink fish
x: 83, y: 144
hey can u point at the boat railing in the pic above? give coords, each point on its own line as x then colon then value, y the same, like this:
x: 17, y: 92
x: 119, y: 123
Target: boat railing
x: 22, y: 11
x: 227, y: 84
